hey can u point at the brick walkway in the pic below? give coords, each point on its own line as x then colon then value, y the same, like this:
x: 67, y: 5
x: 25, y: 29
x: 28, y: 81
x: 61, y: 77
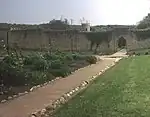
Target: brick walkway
x: 25, y: 105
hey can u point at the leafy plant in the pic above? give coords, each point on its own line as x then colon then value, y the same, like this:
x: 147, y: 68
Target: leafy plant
x: 12, y: 76
x: 36, y: 61
x: 56, y: 64
x: 61, y: 72
x: 146, y: 53
x: 38, y: 77
x: 77, y: 56
x: 91, y: 59
x: 12, y: 59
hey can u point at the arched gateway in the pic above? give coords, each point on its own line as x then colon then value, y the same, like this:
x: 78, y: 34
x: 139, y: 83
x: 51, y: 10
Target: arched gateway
x: 122, y: 42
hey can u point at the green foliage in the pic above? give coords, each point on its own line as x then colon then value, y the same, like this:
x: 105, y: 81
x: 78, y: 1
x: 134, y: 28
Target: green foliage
x: 56, y: 64
x: 16, y: 75
x: 52, y: 56
x: 146, y: 53
x: 77, y: 56
x: 38, y: 77
x: 36, y: 68
x: 12, y: 75
x: 91, y: 59
x: 12, y: 59
x: 143, y: 28
x: 69, y: 57
x: 145, y: 23
x: 62, y: 71
x: 36, y: 61
x: 142, y: 34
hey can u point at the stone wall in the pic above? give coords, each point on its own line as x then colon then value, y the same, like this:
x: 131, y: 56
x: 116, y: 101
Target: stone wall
x: 131, y: 40
x: 66, y: 41
x: 28, y: 39
x: 38, y: 39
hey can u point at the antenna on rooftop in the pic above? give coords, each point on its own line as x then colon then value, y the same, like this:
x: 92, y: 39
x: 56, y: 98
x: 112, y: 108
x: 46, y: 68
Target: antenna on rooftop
x: 81, y: 21
x: 61, y: 18
x: 71, y: 20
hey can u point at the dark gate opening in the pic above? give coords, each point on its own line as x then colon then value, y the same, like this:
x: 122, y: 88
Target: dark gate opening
x: 122, y: 42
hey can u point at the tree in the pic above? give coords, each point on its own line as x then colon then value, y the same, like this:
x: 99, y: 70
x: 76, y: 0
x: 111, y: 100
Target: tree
x: 145, y: 23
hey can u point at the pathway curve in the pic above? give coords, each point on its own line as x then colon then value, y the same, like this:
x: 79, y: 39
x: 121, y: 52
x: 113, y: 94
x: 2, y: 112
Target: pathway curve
x: 25, y: 105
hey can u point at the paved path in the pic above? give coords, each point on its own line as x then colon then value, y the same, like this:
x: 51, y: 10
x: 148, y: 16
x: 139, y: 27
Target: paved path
x: 121, y: 53
x: 25, y: 105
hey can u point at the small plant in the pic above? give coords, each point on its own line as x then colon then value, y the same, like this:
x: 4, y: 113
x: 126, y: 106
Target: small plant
x: 77, y: 56
x: 61, y: 72
x: 56, y: 64
x: 138, y: 54
x: 134, y: 53
x: 53, y: 56
x: 38, y: 77
x: 91, y: 59
x: 36, y: 61
x: 146, y: 53
x: 12, y: 76
x: 69, y: 57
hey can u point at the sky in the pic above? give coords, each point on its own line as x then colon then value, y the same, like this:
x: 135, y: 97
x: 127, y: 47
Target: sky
x: 97, y: 12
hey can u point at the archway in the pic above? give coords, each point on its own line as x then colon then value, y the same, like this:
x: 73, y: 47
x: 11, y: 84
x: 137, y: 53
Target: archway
x: 122, y: 42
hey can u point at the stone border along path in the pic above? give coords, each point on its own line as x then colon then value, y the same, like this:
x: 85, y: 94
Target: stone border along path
x: 35, y: 88
x: 27, y: 92
x: 49, y: 109
x: 52, y: 93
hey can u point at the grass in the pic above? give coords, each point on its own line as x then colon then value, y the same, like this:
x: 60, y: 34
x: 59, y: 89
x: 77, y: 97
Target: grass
x: 123, y: 91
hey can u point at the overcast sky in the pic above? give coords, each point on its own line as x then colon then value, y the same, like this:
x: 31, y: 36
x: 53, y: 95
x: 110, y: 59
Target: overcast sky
x: 96, y: 11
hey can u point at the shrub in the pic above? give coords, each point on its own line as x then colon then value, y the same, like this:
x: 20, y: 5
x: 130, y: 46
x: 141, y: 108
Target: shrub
x: 77, y: 56
x: 56, y: 64
x: 36, y: 62
x: 38, y: 77
x: 49, y: 56
x: 61, y: 72
x: 12, y: 76
x: 146, y: 53
x: 15, y: 76
x: 134, y: 53
x: 11, y: 71
x: 28, y: 60
x: 91, y: 59
x: 12, y: 60
x: 40, y: 64
x: 36, y: 68
x: 53, y: 56
x: 68, y: 57
x: 138, y: 54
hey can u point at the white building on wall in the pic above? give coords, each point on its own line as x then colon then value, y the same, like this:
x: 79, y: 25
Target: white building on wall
x: 86, y: 27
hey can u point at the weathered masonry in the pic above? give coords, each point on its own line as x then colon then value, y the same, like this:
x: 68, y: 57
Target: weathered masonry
x: 71, y: 39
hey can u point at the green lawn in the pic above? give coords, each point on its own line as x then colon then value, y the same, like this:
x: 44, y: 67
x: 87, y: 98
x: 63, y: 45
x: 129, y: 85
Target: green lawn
x: 123, y: 91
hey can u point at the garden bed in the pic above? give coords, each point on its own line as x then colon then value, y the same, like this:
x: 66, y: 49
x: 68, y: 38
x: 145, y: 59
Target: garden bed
x: 21, y: 73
